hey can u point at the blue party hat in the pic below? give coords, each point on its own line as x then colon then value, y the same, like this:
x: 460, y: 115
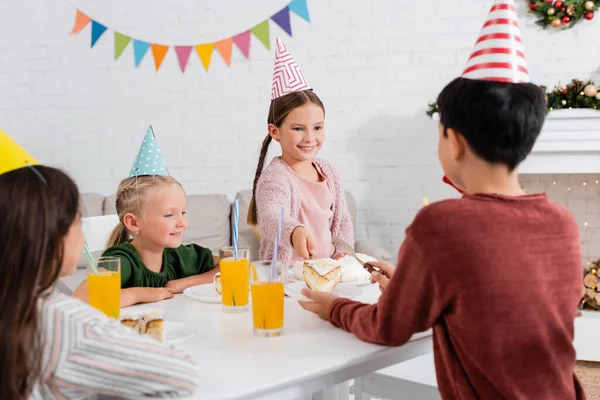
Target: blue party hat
x: 149, y: 160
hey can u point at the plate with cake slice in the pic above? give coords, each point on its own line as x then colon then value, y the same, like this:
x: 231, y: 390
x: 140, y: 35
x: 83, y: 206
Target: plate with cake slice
x: 351, y: 272
x: 207, y: 293
x: 321, y: 278
x: 150, y: 322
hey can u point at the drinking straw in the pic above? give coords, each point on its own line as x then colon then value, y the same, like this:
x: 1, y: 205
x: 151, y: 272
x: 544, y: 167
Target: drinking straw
x: 88, y: 254
x: 276, y: 246
x: 236, y: 216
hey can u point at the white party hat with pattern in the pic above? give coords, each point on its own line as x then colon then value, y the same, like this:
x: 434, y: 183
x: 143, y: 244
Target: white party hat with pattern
x: 499, y: 54
x: 287, y: 76
x: 149, y: 160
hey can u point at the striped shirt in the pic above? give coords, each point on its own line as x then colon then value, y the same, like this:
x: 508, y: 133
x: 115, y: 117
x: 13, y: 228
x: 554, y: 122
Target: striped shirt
x: 86, y: 354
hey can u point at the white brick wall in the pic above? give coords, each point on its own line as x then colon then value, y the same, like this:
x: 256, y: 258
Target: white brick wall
x: 375, y: 63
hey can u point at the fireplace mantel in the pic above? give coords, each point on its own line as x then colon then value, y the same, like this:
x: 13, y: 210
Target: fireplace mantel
x: 569, y: 144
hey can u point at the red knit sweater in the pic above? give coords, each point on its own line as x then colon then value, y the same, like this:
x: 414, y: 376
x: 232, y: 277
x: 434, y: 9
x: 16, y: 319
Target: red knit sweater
x: 499, y: 279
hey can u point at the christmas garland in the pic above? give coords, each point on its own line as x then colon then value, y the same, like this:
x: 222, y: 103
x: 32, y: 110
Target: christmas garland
x: 577, y: 94
x: 562, y: 14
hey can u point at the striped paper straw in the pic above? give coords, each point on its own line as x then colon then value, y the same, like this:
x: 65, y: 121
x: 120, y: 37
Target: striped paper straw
x: 236, y: 216
x: 276, y: 245
x: 88, y: 254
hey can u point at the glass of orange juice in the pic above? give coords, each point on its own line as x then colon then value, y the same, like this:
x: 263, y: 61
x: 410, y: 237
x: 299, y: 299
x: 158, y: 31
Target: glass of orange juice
x: 235, y: 279
x: 104, y: 287
x: 267, y: 297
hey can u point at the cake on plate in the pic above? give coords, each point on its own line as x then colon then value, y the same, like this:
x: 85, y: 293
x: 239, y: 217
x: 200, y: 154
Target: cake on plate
x: 145, y: 322
x: 321, y: 275
x: 351, y: 270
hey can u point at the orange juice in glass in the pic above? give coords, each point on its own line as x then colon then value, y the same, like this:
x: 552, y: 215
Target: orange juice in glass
x: 267, y: 298
x: 235, y: 279
x: 104, y: 287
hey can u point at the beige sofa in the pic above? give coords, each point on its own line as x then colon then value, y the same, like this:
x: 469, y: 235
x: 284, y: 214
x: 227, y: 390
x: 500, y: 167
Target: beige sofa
x: 210, y: 224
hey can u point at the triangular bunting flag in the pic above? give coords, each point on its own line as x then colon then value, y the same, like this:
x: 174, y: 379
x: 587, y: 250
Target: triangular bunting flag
x: 242, y: 41
x: 205, y: 53
x: 224, y: 49
x: 121, y: 42
x: 159, y: 52
x: 299, y: 8
x: 97, y: 31
x: 183, y: 55
x: 81, y: 21
x: 261, y: 31
x: 13, y: 156
x: 499, y: 54
x: 139, y: 50
x: 282, y: 18
x: 149, y: 160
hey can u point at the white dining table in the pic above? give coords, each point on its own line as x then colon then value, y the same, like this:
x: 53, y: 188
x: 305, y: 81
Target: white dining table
x: 310, y: 357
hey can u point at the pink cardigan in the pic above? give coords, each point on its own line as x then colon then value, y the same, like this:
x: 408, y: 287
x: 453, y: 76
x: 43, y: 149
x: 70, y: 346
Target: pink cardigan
x: 277, y: 188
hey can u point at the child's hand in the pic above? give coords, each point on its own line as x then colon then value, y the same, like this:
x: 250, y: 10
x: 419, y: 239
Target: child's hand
x: 176, y: 286
x: 152, y: 295
x: 303, y: 243
x: 386, y: 271
x: 339, y: 255
x: 319, y: 303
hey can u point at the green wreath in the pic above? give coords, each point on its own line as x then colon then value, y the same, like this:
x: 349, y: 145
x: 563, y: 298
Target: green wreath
x: 562, y: 13
x: 577, y: 94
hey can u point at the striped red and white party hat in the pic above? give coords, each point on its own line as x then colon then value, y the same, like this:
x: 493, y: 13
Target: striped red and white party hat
x: 499, y: 54
x: 287, y: 76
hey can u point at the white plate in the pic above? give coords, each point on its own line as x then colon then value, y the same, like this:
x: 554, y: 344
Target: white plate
x: 293, y: 279
x: 178, y: 331
x: 205, y: 293
x: 348, y: 291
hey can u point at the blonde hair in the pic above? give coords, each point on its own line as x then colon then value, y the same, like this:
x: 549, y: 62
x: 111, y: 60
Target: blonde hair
x: 133, y: 197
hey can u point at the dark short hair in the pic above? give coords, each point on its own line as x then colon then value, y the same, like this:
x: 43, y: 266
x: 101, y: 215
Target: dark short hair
x: 500, y: 121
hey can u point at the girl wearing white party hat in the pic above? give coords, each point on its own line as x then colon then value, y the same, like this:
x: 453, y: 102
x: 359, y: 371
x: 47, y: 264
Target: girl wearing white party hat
x: 307, y: 188
x: 54, y: 346
x: 148, y: 239
x: 496, y: 274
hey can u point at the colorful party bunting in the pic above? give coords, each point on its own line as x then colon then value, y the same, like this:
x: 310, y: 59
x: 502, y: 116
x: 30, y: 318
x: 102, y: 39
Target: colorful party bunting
x: 183, y: 55
x: 121, y: 42
x: 242, y: 41
x: 97, y: 31
x: 205, y: 50
x: 300, y: 8
x: 224, y: 49
x: 139, y: 50
x: 282, y: 18
x: 159, y: 52
x: 205, y: 53
x: 81, y: 21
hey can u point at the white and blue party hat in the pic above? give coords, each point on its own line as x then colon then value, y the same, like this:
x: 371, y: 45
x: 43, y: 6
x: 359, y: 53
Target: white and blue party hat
x: 149, y: 160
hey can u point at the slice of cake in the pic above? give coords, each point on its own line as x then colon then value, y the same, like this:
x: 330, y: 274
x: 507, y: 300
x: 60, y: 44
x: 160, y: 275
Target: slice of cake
x: 321, y: 275
x: 145, y: 322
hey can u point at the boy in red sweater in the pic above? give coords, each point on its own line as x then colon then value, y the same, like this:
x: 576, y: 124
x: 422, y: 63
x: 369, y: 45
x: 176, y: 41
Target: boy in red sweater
x: 497, y: 273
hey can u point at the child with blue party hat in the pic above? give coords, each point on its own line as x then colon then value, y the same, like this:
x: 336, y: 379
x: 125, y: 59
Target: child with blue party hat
x: 46, y: 351
x: 152, y: 214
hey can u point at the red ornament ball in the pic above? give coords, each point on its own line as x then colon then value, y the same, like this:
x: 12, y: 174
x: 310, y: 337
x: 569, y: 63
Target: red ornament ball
x: 566, y: 19
x: 565, y: 91
x: 558, y: 4
x: 563, y: 9
x: 549, y: 1
x: 533, y: 6
x: 589, y: 15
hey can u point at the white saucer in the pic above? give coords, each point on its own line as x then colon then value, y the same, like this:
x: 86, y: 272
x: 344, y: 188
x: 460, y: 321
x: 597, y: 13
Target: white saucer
x: 178, y: 331
x: 205, y: 293
x: 347, y: 291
